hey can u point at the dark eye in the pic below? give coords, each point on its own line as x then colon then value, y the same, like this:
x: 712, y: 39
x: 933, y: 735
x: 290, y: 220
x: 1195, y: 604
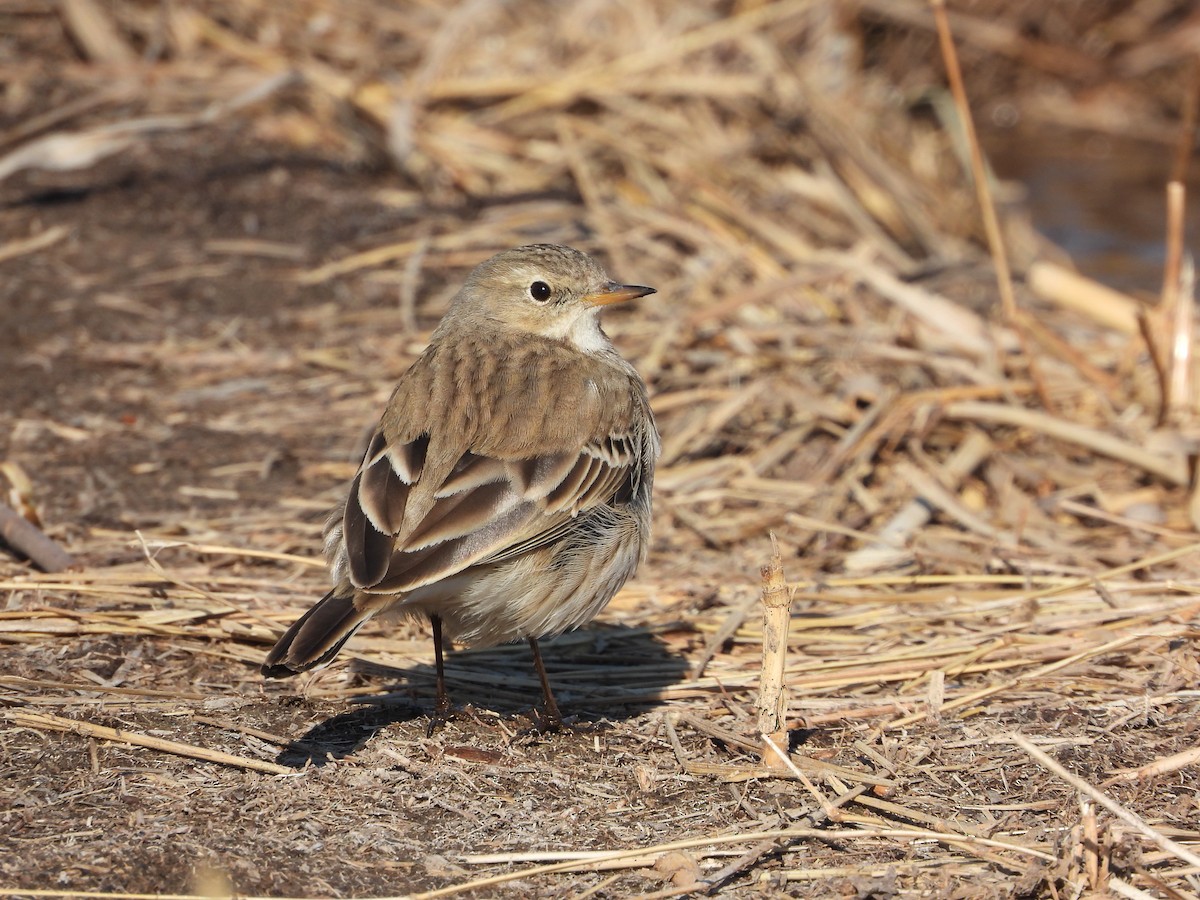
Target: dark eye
x: 539, y: 291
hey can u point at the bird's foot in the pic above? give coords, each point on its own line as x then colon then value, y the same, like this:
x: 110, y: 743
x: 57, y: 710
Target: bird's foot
x: 545, y: 725
x: 547, y: 721
x: 442, y: 713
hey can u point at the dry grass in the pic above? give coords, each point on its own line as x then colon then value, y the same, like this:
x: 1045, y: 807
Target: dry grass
x: 232, y: 227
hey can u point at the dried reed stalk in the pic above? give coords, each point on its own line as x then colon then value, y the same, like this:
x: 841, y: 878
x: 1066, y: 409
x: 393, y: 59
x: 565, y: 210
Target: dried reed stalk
x: 772, y: 691
x: 121, y: 736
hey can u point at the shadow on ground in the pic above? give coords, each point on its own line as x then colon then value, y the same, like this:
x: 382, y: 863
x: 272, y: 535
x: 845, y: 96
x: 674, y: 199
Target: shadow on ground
x: 601, y: 673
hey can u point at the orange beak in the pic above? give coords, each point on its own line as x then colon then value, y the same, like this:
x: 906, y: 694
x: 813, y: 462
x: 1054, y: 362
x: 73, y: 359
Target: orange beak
x: 617, y: 293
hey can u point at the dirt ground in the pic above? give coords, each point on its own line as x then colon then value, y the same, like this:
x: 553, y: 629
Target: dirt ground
x: 185, y: 382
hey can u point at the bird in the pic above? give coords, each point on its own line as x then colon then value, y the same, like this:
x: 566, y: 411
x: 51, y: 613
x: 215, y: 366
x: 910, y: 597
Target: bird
x: 506, y: 491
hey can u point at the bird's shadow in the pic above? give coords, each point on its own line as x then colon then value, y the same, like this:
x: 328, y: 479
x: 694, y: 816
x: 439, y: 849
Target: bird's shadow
x: 602, y: 672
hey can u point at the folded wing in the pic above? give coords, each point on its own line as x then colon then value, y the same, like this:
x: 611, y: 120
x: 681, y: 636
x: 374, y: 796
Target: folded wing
x: 408, y: 523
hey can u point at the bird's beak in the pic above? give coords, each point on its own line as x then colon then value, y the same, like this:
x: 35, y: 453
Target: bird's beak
x: 617, y: 293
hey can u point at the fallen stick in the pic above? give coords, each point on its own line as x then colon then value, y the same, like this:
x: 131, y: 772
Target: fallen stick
x: 39, y: 241
x: 23, y: 536
x: 1172, y: 469
x: 1164, y: 766
x: 103, y: 732
x: 1070, y: 290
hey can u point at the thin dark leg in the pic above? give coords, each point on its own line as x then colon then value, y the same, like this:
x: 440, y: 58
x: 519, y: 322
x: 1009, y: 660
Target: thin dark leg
x: 442, y: 706
x: 552, y: 718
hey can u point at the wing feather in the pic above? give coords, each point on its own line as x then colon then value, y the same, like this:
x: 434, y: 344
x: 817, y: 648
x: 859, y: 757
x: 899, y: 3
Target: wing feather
x: 486, y: 510
x: 537, y: 475
x: 382, y: 493
x: 411, y: 569
x: 443, y: 488
x: 368, y: 548
x: 472, y: 471
x: 562, y: 495
x: 463, y: 513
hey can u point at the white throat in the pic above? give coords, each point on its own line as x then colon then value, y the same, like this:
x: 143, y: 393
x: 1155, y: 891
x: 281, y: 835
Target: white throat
x: 583, y: 333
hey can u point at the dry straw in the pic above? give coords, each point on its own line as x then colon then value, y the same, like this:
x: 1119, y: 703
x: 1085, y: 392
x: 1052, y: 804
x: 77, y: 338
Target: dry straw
x: 989, y: 526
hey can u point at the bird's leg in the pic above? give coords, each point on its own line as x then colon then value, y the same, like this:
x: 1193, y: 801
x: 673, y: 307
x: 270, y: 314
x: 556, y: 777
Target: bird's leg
x: 441, y: 707
x: 443, y: 699
x: 551, y: 718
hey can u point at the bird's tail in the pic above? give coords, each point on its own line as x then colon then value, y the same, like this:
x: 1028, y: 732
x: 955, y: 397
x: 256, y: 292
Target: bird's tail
x: 316, y: 637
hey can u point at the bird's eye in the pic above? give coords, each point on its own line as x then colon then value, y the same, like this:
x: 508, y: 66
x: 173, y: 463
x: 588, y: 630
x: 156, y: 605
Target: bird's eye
x: 539, y: 291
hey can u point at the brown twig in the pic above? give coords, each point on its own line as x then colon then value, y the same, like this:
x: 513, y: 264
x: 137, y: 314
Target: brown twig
x: 24, y: 537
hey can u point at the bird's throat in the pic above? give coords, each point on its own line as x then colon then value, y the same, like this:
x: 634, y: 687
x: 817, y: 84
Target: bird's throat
x: 583, y: 333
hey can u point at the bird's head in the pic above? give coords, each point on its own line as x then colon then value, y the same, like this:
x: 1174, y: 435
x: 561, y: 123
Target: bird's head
x: 543, y: 289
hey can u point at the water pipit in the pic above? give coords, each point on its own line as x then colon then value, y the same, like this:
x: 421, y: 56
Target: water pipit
x: 505, y: 493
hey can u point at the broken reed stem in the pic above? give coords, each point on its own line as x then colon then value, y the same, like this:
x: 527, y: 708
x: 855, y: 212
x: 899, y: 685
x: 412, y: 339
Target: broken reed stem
x: 1090, y: 844
x: 1177, y: 317
x: 1188, y: 413
x: 1176, y: 195
x: 772, y: 701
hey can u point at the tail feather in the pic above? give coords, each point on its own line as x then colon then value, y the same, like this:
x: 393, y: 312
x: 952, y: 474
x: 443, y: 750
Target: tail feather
x: 316, y: 637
